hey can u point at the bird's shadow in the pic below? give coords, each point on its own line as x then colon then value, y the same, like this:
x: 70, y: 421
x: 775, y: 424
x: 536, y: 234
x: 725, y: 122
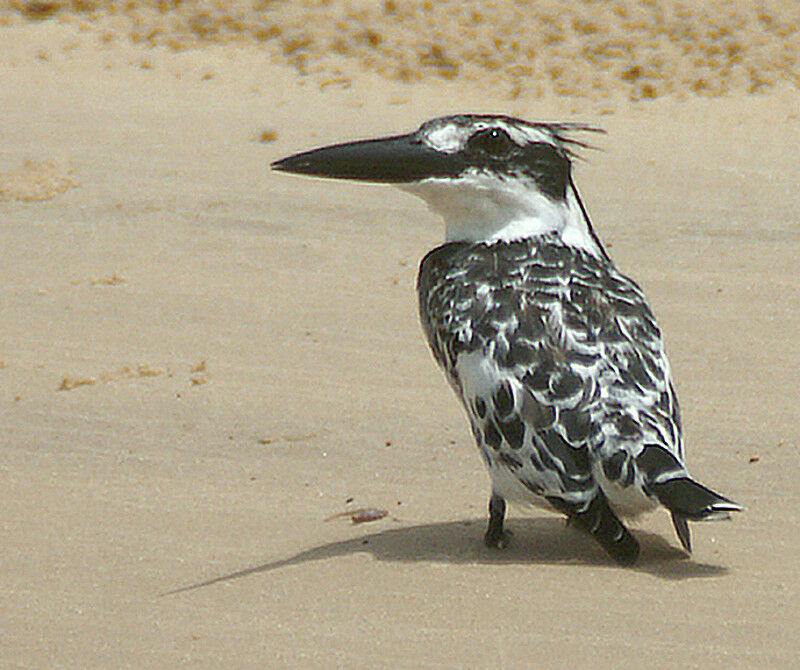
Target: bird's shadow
x: 533, y: 541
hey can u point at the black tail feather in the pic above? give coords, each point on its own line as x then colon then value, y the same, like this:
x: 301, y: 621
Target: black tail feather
x: 683, y: 532
x: 603, y: 525
x: 690, y: 500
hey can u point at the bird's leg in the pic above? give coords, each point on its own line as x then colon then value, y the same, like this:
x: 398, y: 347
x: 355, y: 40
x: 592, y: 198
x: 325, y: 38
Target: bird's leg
x: 602, y: 524
x: 495, y: 536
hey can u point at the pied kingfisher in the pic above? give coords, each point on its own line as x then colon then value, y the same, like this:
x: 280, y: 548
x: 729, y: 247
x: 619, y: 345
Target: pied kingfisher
x: 555, y: 354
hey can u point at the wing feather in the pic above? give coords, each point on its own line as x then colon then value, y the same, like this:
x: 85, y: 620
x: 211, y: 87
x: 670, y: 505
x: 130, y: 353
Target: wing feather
x: 558, y: 360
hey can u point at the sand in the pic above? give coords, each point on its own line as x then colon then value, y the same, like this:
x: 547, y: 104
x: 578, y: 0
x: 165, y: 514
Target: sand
x: 201, y: 362
x: 642, y: 50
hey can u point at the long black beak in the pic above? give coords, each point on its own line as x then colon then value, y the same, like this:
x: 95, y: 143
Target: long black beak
x: 392, y: 160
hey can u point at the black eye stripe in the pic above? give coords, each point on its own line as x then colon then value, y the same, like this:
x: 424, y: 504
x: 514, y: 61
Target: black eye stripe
x: 493, y: 149
x: 549, y: 167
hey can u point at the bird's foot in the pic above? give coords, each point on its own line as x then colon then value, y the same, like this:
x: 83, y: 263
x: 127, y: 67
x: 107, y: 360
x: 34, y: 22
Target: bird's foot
x: 496, y: 537
x: 497, y: 540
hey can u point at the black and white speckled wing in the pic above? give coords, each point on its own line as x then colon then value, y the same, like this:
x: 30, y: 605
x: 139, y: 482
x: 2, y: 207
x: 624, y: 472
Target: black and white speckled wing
x: 561, y: 367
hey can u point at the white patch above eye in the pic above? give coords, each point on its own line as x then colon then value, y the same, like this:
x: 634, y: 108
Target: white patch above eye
x: 448, y: 138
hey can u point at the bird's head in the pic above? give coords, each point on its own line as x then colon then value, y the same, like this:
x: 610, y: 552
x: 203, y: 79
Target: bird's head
x: 490, y: 177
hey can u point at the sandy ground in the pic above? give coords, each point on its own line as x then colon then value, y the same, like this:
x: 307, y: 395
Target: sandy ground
x: 642, y: 50
x: 201, y: 361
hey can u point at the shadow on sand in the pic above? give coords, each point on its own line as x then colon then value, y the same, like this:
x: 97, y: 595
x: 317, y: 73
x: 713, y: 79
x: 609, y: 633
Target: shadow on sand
x: 534, y: 541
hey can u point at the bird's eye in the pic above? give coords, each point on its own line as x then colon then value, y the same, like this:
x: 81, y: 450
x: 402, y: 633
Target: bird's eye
x: 492, y: 141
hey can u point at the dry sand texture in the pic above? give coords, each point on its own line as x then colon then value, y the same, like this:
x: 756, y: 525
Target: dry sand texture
x: 572, y: 47
x: 201, y: 362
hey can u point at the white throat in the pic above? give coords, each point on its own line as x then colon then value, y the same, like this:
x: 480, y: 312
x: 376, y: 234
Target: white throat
x: 478, y: 207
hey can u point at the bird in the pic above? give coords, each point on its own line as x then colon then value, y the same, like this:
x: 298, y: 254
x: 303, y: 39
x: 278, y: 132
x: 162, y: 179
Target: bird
x: 554, y: 353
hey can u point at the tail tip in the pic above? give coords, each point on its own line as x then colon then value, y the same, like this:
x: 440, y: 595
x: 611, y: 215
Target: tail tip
x: 691, y: 500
